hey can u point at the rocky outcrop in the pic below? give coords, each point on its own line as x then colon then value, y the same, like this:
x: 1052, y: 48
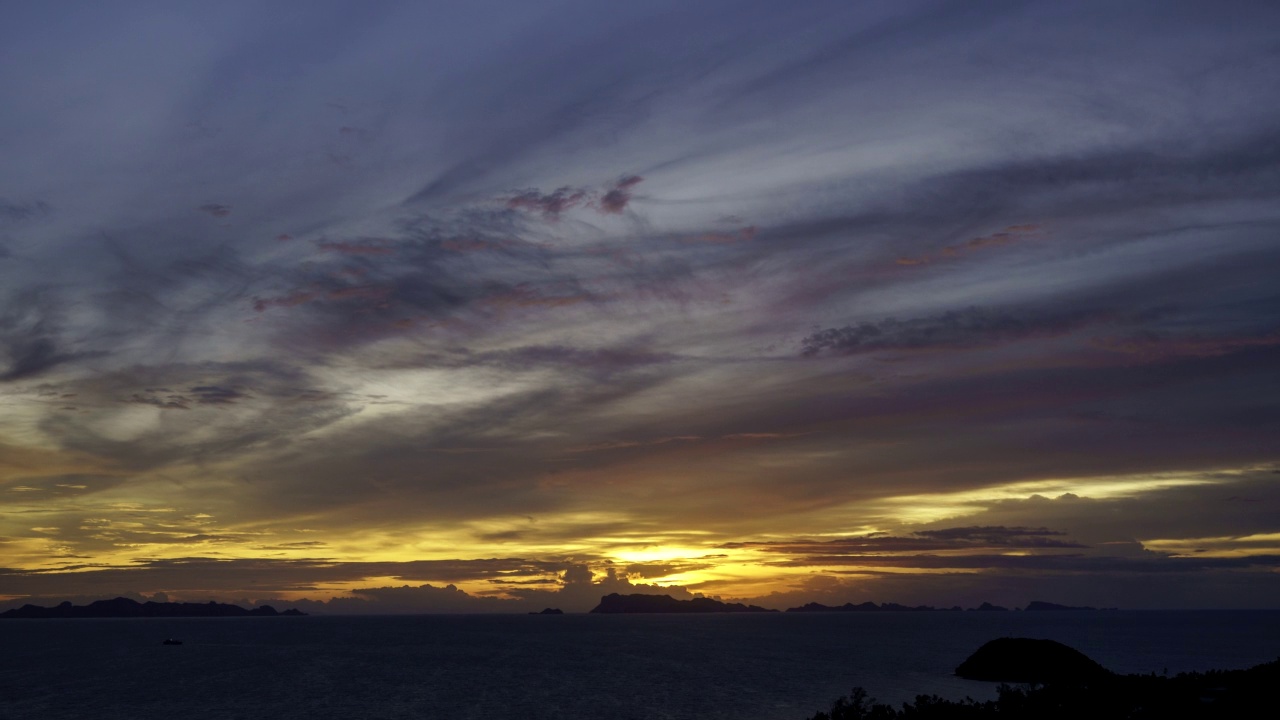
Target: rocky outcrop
x: 1025, y: 660
x: 616, y: 603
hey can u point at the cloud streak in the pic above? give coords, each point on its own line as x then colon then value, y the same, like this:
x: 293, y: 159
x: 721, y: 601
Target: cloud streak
x: 799, y: 303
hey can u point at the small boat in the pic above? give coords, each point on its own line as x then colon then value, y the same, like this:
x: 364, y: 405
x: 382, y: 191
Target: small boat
x: 171, y: 641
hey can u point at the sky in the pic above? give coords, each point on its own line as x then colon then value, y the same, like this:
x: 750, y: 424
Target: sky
x: 494, y: 306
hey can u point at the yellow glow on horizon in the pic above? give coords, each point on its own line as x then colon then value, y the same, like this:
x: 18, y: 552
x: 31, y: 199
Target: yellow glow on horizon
x: 64, y: 528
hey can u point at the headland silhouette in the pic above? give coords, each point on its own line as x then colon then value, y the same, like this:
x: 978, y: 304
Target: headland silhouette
x: 123, y: 607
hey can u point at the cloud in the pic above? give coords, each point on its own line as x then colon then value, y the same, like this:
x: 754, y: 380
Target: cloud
x: 31, y: 356
x: 723, y: 238
x: 1057, y: 563
x: 970, y: 327
x: 1001, y: 536
x: 663, y: 569
x: 570, y: 586
x: 1218, y: 588
x: 364, y: 246
x: 1008, y: 236
x: 550, y: 205
x: 16, y: 212
x: 616, y: 198
x: 955, y: 538
x: 470, y: 315
x: 31, y: 336
x: 170, y: 401
x: 1150, y: 347
x: 214, y: 395
x: 293, y: 299
x: 378, y: 293
x: 605, y: 360
x: 525, y: 295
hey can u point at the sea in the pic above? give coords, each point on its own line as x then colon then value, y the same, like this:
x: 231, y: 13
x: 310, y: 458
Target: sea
x: 610, y: 667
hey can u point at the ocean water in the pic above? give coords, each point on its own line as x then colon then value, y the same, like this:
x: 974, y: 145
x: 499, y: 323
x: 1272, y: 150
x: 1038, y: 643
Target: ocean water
x: 745, y: 667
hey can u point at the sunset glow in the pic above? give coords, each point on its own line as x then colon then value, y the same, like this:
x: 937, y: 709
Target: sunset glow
x: 491, y: 307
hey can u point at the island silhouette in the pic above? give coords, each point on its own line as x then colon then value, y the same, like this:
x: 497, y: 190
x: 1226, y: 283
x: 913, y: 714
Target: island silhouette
x: 1041, y: 606
x: 616, y: 603
x: 1034, y: 605
x: 867, y: 607
x: 637, y: 603
x: 123, y: 607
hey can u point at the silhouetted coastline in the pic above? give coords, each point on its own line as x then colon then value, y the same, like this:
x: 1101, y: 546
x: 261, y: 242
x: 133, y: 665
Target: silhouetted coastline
x: 636, y: 603
x: 868, y: 607
x: 122, y: 607
x: 1061, y: 682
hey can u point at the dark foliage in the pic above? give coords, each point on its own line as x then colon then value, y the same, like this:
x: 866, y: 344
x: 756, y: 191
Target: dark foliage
x: 1213, y: 694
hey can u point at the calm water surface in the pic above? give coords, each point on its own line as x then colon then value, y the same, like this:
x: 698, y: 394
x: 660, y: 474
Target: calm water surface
x: 746, y: 667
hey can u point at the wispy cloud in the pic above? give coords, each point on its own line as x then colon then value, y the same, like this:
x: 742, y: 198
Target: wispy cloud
x: 953, y: 329
x: 560, y: 302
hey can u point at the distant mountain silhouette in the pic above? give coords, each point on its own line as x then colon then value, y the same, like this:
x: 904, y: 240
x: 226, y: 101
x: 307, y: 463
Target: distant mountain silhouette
x: 615, y: 603
x: 125, y: 608
x: 549, y: 611
x: 868, y: 607
x: 1039, y: 605
x: 988, y: 607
